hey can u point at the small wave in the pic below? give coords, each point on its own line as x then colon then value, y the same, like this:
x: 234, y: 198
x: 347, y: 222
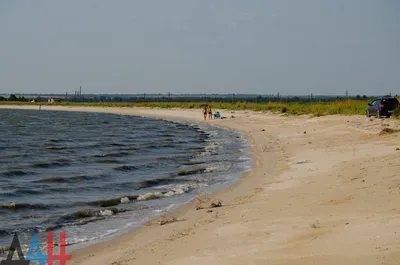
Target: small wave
x: 56, y: 140
x: 104, y: 144
x: 217, y: 168
x: 61, y: 180
x: 16, y: 155
x: 108, y: 161
x: 157, y: 182
x: 80, y: 177
x: 49, y: 180
x: 49, y: 164
x: 196, y: 148
x: 210, y: 149
x: 13, y: 172
x: 180, y: 190
x: 174, y: 191
x: 129, y: 149
x: 30, y: 217
x: 53, y: 227
x: 83, y: 214
x: 4, y: 233
x: 93, y: 213
x: 18, y: 206
x: 88, y: 220
x: 63, y: 160
x: 125, y: 168
x: 167, y: 135
x: 113, y: 202
x: 9, y: 187
x: 160, y: 144
x: 53, y: 147
x: 191, y: 172
x: 204, y: 134
x: 190, y: 163
x: 116, y: 144
x: 112, y: 154
x: 88, y: 216
x: 150, y: 196
x: 20, y: 192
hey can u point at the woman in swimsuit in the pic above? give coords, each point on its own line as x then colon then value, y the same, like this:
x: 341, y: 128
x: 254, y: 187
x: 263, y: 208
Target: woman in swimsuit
x: 210, y: 115
x: 205, y: 112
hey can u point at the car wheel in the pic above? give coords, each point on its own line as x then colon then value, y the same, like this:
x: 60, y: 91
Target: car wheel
x: 368, y: 114
x: 378, y: 114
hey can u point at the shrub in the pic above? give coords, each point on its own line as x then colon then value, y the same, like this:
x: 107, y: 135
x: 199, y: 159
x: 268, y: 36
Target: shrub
x: 396, y: 113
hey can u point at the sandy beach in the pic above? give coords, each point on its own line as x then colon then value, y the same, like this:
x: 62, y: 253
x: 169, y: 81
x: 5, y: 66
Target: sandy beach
x: 323, y: 190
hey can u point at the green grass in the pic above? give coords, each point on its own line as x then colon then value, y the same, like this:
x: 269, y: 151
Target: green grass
x: 346, y: 107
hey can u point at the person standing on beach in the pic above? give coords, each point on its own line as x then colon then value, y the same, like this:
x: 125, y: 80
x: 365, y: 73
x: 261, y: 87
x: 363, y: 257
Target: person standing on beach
x: 210, y: 114
x: 205, y: 112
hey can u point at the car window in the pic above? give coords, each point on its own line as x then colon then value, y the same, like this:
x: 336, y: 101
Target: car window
x: 373, y: 102
x: 390, y: 101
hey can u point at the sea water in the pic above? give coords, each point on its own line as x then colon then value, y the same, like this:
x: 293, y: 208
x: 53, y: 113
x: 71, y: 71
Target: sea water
x: 96, y: 175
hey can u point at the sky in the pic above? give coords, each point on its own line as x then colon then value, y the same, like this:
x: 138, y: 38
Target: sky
x: 291, y: 47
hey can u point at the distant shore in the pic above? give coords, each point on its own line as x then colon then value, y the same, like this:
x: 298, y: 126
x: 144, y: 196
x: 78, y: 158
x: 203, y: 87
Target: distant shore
x: 324, y: 190
x: 342, y: 107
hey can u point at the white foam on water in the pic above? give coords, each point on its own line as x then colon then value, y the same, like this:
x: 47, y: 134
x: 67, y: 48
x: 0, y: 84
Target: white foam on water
x: 173, y: 190
x: 222, y: 167
x: 106, y: 213
x: 150, y: 195
x: 125, y: 200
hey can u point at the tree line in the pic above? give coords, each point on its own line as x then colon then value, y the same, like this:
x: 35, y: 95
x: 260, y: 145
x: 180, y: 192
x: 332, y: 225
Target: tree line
x: 13, y: 98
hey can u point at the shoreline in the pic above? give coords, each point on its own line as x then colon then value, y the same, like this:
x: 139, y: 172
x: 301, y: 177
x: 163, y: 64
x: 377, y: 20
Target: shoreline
x: 175, y: 211
x: 323, y: 190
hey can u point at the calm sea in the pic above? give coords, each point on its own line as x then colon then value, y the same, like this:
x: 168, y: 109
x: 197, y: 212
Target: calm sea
x: 96, y: 175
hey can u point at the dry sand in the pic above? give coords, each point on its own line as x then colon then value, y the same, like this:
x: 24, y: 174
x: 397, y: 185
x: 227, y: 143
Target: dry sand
x: 324, y: 190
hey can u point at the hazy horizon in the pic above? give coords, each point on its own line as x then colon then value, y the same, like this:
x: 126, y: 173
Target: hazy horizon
x: 203, y: 46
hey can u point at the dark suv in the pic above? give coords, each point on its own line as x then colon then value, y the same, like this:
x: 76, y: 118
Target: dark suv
x: 383, y: 106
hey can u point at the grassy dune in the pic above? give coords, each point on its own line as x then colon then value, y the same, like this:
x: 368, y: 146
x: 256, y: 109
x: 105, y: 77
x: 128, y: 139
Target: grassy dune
x: 347, y: 107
